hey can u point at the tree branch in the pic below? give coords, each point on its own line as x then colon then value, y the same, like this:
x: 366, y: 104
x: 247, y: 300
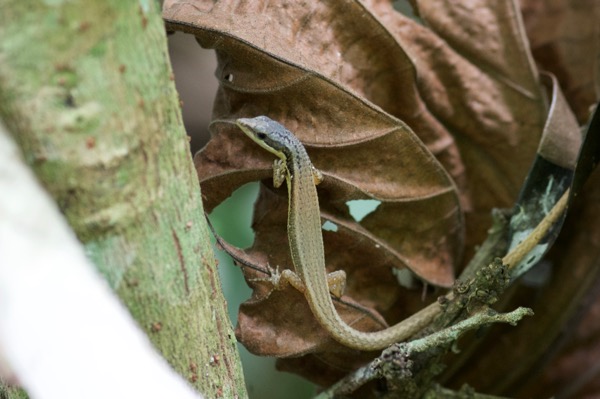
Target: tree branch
x: 87, y: 92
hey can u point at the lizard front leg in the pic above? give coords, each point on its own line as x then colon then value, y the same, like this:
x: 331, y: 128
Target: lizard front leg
x: 279, y: 172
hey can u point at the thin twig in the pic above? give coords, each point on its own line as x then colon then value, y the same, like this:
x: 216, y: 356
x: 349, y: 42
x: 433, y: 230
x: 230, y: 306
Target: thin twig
x: 514, y: 257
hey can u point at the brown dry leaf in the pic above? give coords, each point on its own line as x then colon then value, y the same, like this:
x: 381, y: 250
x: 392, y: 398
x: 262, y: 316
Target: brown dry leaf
x: 363, y: 152
x: 565, y: 40
x: 349, y: 78
x: 477, y: 77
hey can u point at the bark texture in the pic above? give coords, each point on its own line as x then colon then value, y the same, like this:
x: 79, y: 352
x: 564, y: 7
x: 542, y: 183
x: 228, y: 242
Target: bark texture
x: 87, y: 90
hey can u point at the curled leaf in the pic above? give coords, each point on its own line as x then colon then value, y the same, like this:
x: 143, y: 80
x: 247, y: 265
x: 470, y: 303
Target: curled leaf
x: 549, y: 178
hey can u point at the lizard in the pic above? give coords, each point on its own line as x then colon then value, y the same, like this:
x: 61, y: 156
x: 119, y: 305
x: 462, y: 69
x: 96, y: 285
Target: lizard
x: 306, y: 240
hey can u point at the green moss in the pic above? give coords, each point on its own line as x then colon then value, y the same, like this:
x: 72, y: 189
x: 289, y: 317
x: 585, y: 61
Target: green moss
x: 99, y: 50
x: 65, y: 77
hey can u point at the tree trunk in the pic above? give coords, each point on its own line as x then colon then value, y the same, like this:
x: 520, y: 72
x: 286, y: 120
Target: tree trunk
x: 87, y: 91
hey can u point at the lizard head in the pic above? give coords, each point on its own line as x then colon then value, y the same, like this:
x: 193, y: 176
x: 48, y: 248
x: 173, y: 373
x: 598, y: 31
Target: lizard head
x: 269, y: 134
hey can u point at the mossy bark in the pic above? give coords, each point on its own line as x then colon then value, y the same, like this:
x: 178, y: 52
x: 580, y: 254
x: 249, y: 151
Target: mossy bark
x: 87, y: 91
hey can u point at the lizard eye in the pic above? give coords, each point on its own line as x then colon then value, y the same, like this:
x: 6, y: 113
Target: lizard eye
x: 261, y: 136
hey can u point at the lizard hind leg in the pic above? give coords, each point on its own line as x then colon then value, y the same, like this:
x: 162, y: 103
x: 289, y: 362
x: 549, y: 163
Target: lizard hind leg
x: 281, y: 279
x: 336, y: 281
